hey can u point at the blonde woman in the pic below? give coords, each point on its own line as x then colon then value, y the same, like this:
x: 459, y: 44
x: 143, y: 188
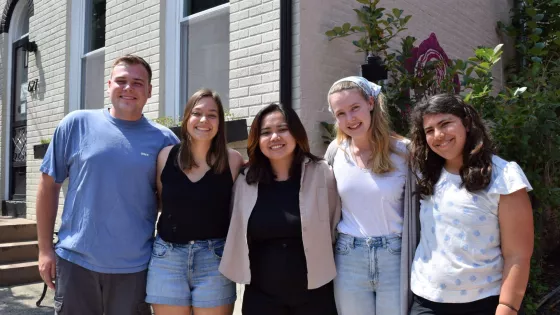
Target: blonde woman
x: 375, y: 187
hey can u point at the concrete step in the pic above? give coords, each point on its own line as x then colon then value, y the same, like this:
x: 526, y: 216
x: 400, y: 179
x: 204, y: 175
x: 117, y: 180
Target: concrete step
x: 17, y: 230
x: 20, y: 273
x: 18, y: 251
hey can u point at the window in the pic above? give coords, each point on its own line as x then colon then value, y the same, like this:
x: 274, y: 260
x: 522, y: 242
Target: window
x: 93, y: 58
x: 87, y: 69
x: 202, y: 34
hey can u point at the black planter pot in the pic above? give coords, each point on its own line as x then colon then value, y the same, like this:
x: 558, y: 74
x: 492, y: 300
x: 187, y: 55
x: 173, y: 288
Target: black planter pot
x: 374, y: 70
x: 236, y: 130
x: 39, y: 151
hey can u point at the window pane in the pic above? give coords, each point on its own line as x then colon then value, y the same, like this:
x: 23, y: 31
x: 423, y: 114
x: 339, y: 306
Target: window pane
x: 195, y: 6
x: 205, y: 55
x: 95, y: 25
x: 93, y: 91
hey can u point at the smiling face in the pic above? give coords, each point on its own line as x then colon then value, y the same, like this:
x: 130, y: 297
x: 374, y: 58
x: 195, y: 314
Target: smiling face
x: 129, y: 90
x: 352, y: 112
x: 446, y: 136
x: 204, y: 121
x: 275, y: 140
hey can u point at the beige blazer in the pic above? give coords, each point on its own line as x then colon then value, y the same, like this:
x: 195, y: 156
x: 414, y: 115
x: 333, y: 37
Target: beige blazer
x: 320, y: 212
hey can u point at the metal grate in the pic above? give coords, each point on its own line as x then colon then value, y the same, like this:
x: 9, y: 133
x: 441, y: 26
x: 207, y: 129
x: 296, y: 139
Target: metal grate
x: 20, y: 145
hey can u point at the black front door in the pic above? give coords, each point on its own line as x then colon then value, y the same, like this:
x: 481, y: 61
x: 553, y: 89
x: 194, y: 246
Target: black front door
x: 18, y: 132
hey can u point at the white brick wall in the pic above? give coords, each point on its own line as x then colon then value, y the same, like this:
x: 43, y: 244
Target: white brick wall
x: 254, y: 56
x: 48, y: 105
x: 135, y: 27
x: 459, y: 28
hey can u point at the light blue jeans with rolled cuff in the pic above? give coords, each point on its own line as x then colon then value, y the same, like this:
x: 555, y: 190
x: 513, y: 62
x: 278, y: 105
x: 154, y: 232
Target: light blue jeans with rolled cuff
x: 187, y: 275
x: 368, y: 275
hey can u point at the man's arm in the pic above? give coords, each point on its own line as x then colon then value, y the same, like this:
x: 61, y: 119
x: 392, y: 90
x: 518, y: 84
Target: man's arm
x: 46, y: 208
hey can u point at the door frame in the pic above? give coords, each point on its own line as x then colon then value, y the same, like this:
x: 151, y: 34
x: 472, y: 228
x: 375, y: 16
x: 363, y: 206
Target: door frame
x: 15, y: 33
x: 20, y: 43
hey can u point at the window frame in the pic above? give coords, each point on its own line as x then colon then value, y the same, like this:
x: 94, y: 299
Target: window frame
x: 173, y: 65
x: 77, y: 55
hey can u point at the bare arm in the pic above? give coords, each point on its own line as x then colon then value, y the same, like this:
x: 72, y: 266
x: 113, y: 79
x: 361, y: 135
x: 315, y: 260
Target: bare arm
x: 46, y: 208
x: 161, y: 160
x: 517, y: 237
x: 235, y: 162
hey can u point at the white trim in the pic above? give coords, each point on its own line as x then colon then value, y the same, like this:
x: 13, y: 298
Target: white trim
x: 173, y: 21
x: 77, y: 19
x: 14, y: 35
x: 217, y: 10
x: 94, y: 52
x: 172, y: 57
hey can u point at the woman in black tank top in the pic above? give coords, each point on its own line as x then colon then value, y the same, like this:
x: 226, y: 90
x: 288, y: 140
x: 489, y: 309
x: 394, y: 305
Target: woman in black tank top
x: 194, y: 183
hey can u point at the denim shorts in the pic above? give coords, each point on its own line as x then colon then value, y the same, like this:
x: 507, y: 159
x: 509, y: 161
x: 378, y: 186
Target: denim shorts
x: 187, y: 275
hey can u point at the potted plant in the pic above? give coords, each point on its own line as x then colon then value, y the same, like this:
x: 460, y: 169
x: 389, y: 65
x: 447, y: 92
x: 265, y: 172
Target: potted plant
x: 236, y: 129
x: 377, y: 29
x: 39, y: 150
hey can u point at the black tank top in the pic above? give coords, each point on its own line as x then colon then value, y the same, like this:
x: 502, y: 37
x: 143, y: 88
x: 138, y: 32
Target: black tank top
x: 193, y: 211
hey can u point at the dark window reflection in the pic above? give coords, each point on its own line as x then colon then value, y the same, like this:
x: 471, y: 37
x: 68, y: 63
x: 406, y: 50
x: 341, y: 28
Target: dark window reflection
x: 195, y: 6
x: 95, y: 25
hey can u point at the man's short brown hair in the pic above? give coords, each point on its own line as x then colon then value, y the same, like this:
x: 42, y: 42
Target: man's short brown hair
x: 134, y: 60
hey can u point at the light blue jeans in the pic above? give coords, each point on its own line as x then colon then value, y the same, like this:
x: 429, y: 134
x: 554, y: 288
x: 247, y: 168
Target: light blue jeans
x: 368, y: 275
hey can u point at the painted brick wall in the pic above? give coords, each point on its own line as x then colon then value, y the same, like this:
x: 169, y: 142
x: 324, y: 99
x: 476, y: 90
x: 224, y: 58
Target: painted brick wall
x: 47, y: 106
x: 135, y: 27
x: 459, y: 28
x: 254, y: 76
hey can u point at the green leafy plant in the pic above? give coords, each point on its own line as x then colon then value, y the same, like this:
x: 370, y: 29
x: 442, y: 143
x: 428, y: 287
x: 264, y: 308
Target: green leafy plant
x: 168, y: 121
x: 377, y: 28
x: 45, y: 141
x: 329, y: 132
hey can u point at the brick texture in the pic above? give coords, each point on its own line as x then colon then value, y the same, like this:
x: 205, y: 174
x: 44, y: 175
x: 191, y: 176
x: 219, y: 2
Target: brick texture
x: 254, y: 52
x: 47, y: 106
x: 459, y: 29
x: 135, y: 27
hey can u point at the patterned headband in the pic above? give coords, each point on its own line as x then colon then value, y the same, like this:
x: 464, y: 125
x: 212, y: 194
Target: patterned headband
x: 368, y: 87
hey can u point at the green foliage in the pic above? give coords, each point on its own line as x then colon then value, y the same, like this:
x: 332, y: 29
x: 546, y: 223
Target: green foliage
x: 523, y: 117
x: 168, y: 121
x: 45, y: 141
x: 329, y: 133
x: 377, y: 27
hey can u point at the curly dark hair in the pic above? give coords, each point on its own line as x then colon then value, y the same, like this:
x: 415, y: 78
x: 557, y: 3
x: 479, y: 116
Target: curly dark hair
x: 476, y: 171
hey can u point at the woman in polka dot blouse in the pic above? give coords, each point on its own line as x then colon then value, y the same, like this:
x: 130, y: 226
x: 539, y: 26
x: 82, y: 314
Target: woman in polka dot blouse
x: 476, y: 219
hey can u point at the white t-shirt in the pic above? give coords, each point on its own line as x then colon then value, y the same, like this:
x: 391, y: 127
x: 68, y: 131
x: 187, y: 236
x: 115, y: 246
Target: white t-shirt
x: 372, y: 204
x: 459, y: 259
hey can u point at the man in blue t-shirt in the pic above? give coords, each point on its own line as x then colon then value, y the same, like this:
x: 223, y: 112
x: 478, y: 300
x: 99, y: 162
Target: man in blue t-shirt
x: 110, y: 208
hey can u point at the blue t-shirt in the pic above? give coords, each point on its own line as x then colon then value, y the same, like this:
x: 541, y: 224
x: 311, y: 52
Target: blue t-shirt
x: 110, y: 207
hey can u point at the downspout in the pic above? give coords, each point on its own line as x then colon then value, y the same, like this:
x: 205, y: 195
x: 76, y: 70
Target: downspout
x: 286, y: 52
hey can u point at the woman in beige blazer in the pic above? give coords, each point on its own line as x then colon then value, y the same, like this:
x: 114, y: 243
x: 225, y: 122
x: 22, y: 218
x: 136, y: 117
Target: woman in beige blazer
x: 285, y: 210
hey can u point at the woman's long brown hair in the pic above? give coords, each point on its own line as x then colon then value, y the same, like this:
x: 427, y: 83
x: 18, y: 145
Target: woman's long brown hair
x: 217, y: 156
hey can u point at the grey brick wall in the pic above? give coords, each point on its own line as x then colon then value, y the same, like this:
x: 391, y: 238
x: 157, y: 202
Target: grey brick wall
x: 460, y: 27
